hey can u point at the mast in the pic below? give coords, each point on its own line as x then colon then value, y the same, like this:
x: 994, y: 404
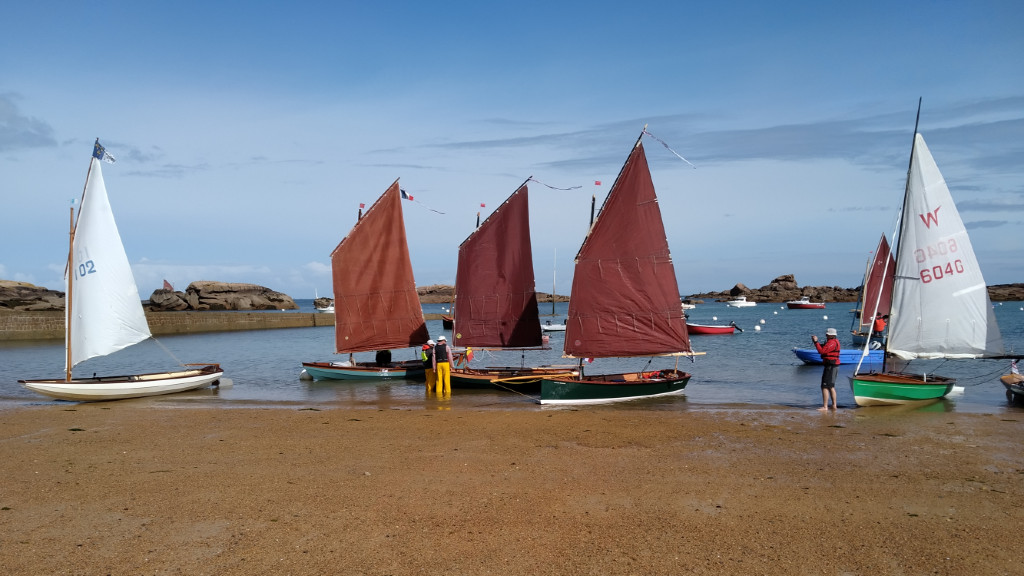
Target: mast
x: 897, y: 236
x: 67, y: 298
x: 71, y: 269
x: 554, y: 271
x: 902, y: 228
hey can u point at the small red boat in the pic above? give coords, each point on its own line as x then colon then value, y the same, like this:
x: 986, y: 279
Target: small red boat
x: 804, y: 303
x: 712, y: 329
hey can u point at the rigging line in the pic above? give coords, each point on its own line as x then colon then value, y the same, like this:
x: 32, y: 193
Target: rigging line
x: 668, y: 148
x: 169, y: 353
x: 553, y: 187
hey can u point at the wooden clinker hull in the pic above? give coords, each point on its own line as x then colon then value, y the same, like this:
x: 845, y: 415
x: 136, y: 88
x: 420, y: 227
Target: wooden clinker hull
x: 525, y: 380
x: 124, y: 387
x: 895, y: 389
x: 606, y: 388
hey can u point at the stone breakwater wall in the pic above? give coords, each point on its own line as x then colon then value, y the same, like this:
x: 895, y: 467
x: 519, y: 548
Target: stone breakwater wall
x: 50, y: 325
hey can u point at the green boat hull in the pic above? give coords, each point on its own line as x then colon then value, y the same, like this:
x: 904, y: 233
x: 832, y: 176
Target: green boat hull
x: 894, y: 389
x: 612, y: 387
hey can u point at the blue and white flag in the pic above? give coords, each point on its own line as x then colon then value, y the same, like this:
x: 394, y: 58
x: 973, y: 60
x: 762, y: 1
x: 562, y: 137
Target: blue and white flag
x: 100, y: 153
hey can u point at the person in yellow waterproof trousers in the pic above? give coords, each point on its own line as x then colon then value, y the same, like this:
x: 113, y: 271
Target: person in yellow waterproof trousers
x: 442, y: 361
x: 427, y: 356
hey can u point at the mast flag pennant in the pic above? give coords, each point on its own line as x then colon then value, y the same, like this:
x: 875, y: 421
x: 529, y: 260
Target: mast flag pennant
x: 597, y: 182
x: 406, y: 196
x: 100, y: 153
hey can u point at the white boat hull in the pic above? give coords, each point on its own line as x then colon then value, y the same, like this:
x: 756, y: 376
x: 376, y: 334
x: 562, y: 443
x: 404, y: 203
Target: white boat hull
x: 122, y: 387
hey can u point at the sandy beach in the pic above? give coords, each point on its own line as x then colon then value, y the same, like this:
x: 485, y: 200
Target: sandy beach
x: 129, y: 488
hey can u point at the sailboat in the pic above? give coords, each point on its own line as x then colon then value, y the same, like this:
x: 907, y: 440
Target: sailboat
x: 103, y: 312
x: 624, y: 300
x: 940, y: 304
x: 495, y: 296
x: 376, y: 307
x: 877, y: 287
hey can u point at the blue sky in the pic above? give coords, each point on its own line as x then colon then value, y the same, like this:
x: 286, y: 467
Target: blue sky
x: 248, y: 133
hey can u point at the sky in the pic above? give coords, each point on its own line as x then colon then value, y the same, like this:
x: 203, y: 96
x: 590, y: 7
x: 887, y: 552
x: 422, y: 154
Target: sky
x: 248, y: 133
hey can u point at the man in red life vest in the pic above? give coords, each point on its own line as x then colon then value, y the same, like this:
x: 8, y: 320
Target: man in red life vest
x: 830, y: 358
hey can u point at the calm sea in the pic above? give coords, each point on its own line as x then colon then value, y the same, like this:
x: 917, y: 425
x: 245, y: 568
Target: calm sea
x: 752, y: 368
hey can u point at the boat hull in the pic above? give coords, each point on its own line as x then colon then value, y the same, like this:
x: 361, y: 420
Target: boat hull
x: 525, y: 380
x: 805, y: 305
x: 858, y: 338
x: 811, y: 356
x: 607, y: 388
x: 894, y: 389
x: 1014, y: 384
x: 124, y: 387
x: 408, y: 370
x: 706, y: 329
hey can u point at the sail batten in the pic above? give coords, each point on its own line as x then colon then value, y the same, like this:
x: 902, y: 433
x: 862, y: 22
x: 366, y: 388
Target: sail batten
x: 495, y: 292
x: 376, y: 306
x: 940, y: 308
x: 623, y: 271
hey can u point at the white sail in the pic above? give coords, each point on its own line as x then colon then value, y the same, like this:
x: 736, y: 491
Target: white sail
x: 941, y: 307
x: 106, y: 311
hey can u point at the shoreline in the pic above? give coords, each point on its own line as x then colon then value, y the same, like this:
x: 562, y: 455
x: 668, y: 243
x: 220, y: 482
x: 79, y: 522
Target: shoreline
x: 138, y: 487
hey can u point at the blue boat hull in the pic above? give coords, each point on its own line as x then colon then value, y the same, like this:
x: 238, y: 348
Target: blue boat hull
x: 811, y: 356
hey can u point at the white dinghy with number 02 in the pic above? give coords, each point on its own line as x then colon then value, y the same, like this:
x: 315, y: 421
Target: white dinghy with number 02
x: 103, y: 312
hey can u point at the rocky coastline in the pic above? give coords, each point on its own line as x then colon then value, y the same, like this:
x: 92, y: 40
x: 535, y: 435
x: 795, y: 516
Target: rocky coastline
x: 210, y: 295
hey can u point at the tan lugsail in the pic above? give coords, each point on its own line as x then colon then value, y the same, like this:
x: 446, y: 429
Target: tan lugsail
x: 495, y: 295
x: 625, y: 299
x: 376, y: 306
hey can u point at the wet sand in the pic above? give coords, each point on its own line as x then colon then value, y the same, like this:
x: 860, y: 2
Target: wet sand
x: 130, y: 488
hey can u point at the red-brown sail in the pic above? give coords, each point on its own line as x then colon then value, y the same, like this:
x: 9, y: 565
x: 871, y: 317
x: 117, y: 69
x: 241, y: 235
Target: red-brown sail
x: 495, y: 296
x: 375, y: 302
x: 878, y: 285
x: 625, y: 299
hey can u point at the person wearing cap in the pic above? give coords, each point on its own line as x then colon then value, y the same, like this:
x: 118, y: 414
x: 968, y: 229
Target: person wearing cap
x: 441, y: 358
x: 427, y: 356
x: 829, y: 352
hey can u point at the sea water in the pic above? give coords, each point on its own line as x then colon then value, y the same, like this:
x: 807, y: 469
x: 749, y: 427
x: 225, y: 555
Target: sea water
x: 752, y: 368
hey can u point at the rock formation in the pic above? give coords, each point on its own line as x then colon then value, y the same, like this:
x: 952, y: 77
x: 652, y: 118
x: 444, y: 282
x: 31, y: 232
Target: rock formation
x: 205, y: 295
x: 29, y: 297
x: 782, y: 289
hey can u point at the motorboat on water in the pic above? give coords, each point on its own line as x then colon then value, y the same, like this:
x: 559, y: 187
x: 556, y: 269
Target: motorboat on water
x: 740, y: 302
x: 804, y: 303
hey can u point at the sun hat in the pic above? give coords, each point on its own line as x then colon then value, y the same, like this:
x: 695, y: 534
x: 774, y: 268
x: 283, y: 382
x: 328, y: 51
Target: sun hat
x: 830, y: 332
x: 441, y: 337
x: 431, y: 342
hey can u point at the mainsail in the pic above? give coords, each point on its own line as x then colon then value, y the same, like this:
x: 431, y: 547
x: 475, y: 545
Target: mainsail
x: 940, y: 307
x: 495, y: 295
x: 106, y: 314
x: 625, y: 299
x: 376, y: 306
x: 877, y: 291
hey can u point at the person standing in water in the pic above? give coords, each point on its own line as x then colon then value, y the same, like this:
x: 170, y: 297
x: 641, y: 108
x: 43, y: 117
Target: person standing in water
x: 442, y: 362
x: 427, y: 356
x: 829, y: 352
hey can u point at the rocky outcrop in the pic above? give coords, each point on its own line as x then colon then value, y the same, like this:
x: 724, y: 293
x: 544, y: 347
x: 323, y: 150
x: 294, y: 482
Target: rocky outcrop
x: 782, y: 289
x: 1006, y: 292
x: 23, y: 296
x: 444, y: 294
x: 206, y: 295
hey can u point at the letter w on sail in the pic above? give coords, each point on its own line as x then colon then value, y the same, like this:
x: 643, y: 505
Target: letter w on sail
x: 929, y: 217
